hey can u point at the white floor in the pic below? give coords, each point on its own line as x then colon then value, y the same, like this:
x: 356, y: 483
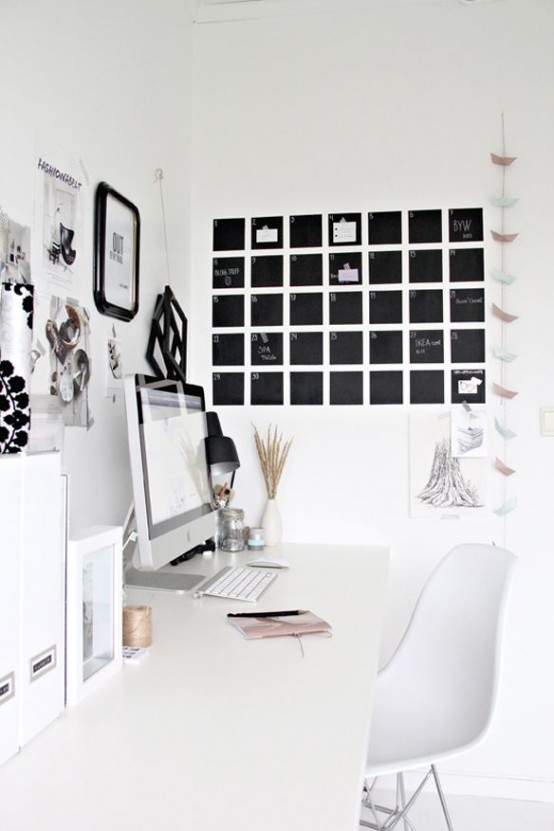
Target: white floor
x: 471, y: 813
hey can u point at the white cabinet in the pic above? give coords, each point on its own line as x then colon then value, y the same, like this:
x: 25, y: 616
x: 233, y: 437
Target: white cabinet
x: 11, y: 485
x: 32, y: 562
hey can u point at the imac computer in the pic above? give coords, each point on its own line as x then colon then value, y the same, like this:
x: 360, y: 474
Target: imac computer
x: 173, y: 504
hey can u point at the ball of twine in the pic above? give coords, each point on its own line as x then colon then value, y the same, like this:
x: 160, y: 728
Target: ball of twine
x: 137, y: 626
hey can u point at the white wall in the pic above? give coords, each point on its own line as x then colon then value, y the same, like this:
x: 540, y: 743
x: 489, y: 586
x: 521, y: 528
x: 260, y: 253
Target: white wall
x: 109, y: 83
x: 380, y: 109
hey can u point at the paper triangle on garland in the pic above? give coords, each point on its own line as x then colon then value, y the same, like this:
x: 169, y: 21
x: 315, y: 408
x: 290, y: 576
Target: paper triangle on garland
x: 503, y: 277
x: 503, y: 354
x: 505, y: 316
x: 505, y: 161
x: 503, y: 468
x: 504, y: 201
x: 504, y: 431
x: 506, y: 507
x: 503, y: 237
x: 503, y: 392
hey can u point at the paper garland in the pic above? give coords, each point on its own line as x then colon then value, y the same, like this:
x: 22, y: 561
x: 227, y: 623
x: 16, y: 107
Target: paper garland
x: 502, y: 354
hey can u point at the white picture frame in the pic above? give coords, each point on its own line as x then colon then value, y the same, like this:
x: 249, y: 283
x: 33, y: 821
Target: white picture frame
x: 94, y: 610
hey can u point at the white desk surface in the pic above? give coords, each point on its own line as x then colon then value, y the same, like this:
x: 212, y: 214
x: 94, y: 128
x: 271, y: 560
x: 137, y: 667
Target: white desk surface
x: 162, y: 745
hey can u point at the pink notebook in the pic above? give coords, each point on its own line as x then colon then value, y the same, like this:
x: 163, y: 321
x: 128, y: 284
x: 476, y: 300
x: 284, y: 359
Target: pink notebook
x: 268, y: 627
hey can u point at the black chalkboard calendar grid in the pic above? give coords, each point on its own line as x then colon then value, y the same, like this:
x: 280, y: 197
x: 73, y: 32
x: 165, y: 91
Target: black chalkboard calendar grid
x: 361, y: 308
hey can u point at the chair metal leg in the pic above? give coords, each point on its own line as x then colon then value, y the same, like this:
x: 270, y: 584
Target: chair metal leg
x: 400, y: 811
x: 401, y: 791
x: 393, y: 815
x: 442, y: 799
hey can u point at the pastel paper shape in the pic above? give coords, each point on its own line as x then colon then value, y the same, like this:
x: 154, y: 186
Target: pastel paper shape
x: 506, y: 507
x: 505, y: 432
x: 503, y: 354
x: 503, y: 468
x: 503, y: 392
x: 505, y: 316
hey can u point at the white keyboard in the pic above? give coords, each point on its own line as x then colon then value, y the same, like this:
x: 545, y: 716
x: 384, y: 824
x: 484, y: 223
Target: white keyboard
x: 237, y: 583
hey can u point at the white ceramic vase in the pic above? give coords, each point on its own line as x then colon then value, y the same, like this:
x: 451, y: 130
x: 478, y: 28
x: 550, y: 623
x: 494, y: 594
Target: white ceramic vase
x: 271, y: 523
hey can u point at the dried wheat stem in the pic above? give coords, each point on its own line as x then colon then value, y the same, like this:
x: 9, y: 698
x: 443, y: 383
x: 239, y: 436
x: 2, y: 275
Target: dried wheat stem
x: 272, y: 454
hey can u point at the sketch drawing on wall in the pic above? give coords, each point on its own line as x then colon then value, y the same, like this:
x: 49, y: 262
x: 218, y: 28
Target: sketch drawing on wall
x: 440, y: 480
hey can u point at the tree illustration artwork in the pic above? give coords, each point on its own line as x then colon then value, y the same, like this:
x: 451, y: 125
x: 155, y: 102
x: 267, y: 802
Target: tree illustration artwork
x: 446, y: 486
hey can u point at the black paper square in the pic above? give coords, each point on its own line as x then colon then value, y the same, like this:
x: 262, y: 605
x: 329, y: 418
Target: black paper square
x: 227, y: 310
x: 306, y: 270
x: 306, y: 388
x: 228, y: 273
x: 266, y: 388
x: 267, y: 232
x: 346, y: 387
x: 306, y: 231
x: 343, y: 266
x: 266, y: 309
x: 339, y: 229
x: 467, y: 346
x: 228, y: 350
x: 425, y: 226
x: 228, y: 234
x: 426, y: 346
x: 460, y: 392
x: 266, y: 272
x: 426, y: 306
x: 266, y: 348
x: 306, y: 309
x: 385, y: 307
x: 386, y: 387
x: 228, y: 388
x: 467, y: 305
x: 346, y: 347
x: 466, y: 264
x: 385, y: 267
x: 425, y: 266
x: 426, y: 386
x: 385, y: 347
x: 345, y: 308
x: 306, y: 348
x: 385, y: 228
x: 465, y: 224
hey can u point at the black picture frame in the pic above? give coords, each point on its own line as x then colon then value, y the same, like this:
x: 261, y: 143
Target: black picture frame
x: 116, y: 254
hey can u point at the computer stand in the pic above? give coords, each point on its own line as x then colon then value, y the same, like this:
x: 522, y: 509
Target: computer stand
x: 161, y: 580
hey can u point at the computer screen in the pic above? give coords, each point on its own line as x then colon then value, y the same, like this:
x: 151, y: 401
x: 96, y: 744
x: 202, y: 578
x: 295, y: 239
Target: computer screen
x: 173, y: 504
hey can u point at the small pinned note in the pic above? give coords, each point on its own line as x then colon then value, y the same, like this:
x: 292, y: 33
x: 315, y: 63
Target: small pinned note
x: 266, y: 234
x: 344, y: 231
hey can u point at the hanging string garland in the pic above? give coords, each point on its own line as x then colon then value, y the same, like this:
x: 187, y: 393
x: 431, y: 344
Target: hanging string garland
x: 501, y: 352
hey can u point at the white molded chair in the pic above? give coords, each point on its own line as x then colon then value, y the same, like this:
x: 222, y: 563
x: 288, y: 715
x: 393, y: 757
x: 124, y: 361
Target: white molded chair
x: 435, y: 698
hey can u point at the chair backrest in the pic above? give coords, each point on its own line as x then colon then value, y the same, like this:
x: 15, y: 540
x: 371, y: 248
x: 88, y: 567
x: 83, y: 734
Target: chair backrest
x: 445, y: 670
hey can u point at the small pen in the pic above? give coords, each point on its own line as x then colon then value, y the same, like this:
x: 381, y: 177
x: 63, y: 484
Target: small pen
x: 267, y: 614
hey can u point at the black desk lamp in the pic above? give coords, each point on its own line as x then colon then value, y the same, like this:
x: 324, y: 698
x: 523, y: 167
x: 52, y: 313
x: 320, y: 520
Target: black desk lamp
x: 221, y: 453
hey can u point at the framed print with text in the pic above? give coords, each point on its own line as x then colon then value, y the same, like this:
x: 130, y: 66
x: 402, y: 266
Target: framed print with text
x: 116, y: 254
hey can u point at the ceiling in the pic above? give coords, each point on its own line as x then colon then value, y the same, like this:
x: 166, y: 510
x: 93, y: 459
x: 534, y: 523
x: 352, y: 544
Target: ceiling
x: 211, y: 11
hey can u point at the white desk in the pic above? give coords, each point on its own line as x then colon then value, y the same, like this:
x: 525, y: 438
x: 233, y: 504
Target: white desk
x: 151, y: 751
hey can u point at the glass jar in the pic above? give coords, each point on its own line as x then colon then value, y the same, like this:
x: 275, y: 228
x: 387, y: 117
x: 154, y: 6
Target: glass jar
x: 230, y: 529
